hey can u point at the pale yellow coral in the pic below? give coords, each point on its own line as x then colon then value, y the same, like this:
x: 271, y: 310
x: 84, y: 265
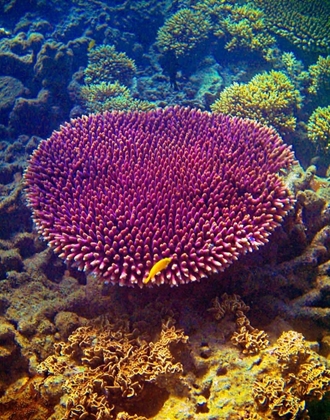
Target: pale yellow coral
x: 105, y: 64
x: 183, y: 32
x: 104, y: 96
x: 270, y: 98
x: 304, y: 23
x: 319, y: 75
x: 318, y: 129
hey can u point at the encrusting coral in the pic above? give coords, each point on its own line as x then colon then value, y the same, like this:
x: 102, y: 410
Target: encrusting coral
x: 302, y: 376
x: 249, y: 339
x: 103, y: 369
x: 270, y: 98
x: 318, y: 129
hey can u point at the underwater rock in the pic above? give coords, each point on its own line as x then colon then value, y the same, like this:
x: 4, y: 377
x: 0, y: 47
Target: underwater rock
x: 10, y: 89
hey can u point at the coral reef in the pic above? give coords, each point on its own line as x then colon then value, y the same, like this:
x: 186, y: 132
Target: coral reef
x: 270, y: 98
x: 105, y: 64
x: 105, y: 370
x: 249, y: 339
x: 303, y: 23
x: 302, y: 376
x: 183, y: 32
x: 104, y: 96
x: 319, y: 75
x: 239, y: 26
x: 119, y: 224
x: 318, y: 129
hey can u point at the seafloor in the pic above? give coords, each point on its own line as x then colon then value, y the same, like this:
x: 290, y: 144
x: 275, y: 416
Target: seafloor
x: 250, y: 343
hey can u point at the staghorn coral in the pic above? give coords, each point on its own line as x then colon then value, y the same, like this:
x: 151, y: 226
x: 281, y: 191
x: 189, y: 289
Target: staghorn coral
x: 103, y: 367
x: 302, y: 376
x: 183, y: 32
x: 249, y: 339
x: 105, y: 64
x: 100, y: 97
x: 318, y: 129
x: 303, y: 23
x: 270, y: 98
x: 134, y: 188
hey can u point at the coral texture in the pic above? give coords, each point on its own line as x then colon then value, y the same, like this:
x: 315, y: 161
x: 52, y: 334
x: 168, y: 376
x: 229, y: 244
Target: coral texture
x: 318, y: 129
x: 319, y: 75
x: 249, y: 339
x: 183, y: 32
x: 106, y: 64
x: 271, y: 98
x: 303, y: 376
x: 115, y: 193
x: 103, y: 367
x: 304, y: 23
x: 100, y: 97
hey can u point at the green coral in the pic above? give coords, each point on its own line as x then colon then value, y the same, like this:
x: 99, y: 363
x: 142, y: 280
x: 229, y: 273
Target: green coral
x: 303, y: 23
x: 105, y: 64
x: 270, y: 98
x: 103, y: 96
x: 183, y: 32
x: 318, y: 129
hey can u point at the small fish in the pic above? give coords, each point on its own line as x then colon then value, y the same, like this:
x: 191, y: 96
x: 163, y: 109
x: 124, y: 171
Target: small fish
x: 91, y: 44
x: 156, y: 268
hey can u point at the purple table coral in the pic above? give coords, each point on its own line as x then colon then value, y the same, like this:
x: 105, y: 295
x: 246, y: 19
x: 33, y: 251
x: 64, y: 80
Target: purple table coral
x: 165, y: 196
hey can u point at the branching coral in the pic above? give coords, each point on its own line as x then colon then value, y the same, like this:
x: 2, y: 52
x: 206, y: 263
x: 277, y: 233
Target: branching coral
x: 183, y: 32
x: 249, y: 339
x: 270, y: 98
x: 318, y: 129
x: 102, y: 367
x: 304, y: 23
x: 241, y: 26
x: 246, y: 27
x: 319, y: 74
x: 100, y: 97
x: 303, y: 376
x: 105, y: 64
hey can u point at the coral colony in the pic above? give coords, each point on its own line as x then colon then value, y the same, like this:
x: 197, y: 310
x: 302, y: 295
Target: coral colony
x: 159, y: 197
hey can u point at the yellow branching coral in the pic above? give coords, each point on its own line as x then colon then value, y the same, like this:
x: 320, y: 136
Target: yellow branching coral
x: 183, y: 32
x: 249, y: 339
x: 318, y: 129
x: 270, y: 98
x: 241, y: 26
x: 304, y: 23
x: 319, y: 74
x: 100, y: 97
x: 101, y: 367
x: 105, y: 64
x: 302, y: 376
x: 247, y: 29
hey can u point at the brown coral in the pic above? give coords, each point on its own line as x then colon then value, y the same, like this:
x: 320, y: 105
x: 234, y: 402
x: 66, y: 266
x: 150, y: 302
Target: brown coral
x: 249, y: 339
x: 303, y: 376
x: 103, y: 367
